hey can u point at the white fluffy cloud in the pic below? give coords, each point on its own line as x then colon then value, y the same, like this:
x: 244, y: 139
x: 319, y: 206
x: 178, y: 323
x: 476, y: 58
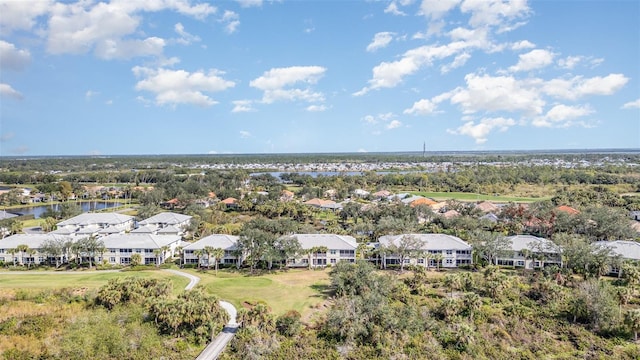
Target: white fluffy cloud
x: 21, y: 15
x: 499, y: 13
x: 394, y: 124
x: 535, y: 59
x: 7, y: 91
x: 110, y: 29
x: 562, y: 115
x: 12, y: 58
x: 277, y: 83
x: 380, y: 40
x: 479, y: 131
x: 524, y: 44
x: 231, y: 21
x: 316, y: 108
x: 632, y: 105
x: 422, y: 107
x: 249, y: 3
x: 185, y: 37
x: 172, y: 87
x: 242, y: 106
x: 577, y: 86
x: 245, y: 134
x: 497, y: 93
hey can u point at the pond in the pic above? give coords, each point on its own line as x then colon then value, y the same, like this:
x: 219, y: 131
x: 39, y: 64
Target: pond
x: 86, y: 206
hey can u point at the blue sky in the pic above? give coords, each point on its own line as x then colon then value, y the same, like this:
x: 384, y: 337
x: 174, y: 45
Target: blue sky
x: 252, y: 76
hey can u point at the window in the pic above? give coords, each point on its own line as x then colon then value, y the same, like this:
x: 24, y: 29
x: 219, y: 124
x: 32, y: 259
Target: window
x: 305, y: 261
x: 333, y: 261
x: 449, y: 261
x: 112, y: 259
x: 148, y: 251
x: 420, y: 261
x: 139, y: 251
x: 406, y: 261
x: 520, y: 263
x: 333, y: 251
x: 125, y: 260
x: 347, y: 253
x: 449, y: 252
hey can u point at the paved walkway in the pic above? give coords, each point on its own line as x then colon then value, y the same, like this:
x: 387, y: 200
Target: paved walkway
x: 213, y: 350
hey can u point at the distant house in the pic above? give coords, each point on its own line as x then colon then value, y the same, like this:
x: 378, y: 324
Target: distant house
x: 635, y: 215
x: 531, y: 252
x: 338, y: 248
x: 229, y: 243
x: 91, y: 224
x: 568, y: 209
x: 286, y: 195
x: 487, y: 207
x: 381, y: 194
x: 490, y: 217
x: 230, y: 203
x: 626, y: 250
x: 323, y: 204
x: 422, y: 201
x: 361, y: 192
x: 167, y: 223
x: 454, y: 251
x: 451, y: 214
x: 152, y: 248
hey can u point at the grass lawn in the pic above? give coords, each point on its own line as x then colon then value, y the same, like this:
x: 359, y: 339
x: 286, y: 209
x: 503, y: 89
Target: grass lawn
x: 38, y: 280
x: 295, y: 289
x: 475, y: 197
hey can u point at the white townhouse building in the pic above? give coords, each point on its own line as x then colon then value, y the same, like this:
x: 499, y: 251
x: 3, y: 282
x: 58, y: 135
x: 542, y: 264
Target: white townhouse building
x: 228, y: 243
x: 451, y: 250
x: 338, y: 248
x: 152, y: 248
x: 95, y: 224
x: 531, y: 252
x: 167, y: 223
x: 624, y: 249
x: 33, y: 241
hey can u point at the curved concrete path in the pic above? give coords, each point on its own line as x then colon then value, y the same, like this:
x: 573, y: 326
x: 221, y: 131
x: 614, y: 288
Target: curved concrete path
x: 193, y: 280
x: 215, y: 347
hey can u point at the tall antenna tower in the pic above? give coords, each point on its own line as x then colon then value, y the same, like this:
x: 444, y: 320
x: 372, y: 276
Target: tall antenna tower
x: 424, y: 149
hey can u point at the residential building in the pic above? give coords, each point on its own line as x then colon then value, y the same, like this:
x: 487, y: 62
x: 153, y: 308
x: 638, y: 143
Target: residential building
x: 152, y: 248
x: 229, y: 243
x: 626, y: 250
x: 487, y: 207
x: 450, y: 250
x: 166, y: 223
x: 33, y: 241
x: 90, y: 224
x: 335, y: 248
x: 531, y: 252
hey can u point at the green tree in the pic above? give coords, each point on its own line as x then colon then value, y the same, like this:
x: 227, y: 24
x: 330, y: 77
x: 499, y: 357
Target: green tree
x: 632, y: 320
x: 136, y: 259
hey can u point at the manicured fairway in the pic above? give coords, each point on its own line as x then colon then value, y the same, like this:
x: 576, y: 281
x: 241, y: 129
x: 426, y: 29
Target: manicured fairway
x: 40, y: 280
x: 299, y: 290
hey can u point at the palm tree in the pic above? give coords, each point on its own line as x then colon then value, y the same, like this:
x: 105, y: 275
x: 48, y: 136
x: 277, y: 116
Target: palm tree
x: 31, y: 253
x: 472, y: 303
x: 208, y: 250
x: 438, y: 258
x: 453, y: 282
x: 22, y: 248
x: 13, y: 253
x: 632, y: 319
x: 199, y: 254
x: 165, y: 249
x: 218, y: 254
x: 157, y: 253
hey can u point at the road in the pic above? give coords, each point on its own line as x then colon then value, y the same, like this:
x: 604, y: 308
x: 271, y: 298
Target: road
x: 213, y: 350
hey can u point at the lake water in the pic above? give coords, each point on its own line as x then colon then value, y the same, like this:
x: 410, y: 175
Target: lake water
x: 86, y: 206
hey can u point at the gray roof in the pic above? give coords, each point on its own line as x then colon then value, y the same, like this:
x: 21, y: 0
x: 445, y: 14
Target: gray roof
x: 5, y: 215
x: 222, y: 241
x: 34, y: 241
x: 430, y: 241
x: 626, y: 249
x: 169, y: 218
x: 97, y: 218
x: 146, y: 229
x: 331, y: 241
x: 138, y: 241
x: 411, y: 199
x: 109, y: 230
x: 533, y: 243
x: 169, y: 230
